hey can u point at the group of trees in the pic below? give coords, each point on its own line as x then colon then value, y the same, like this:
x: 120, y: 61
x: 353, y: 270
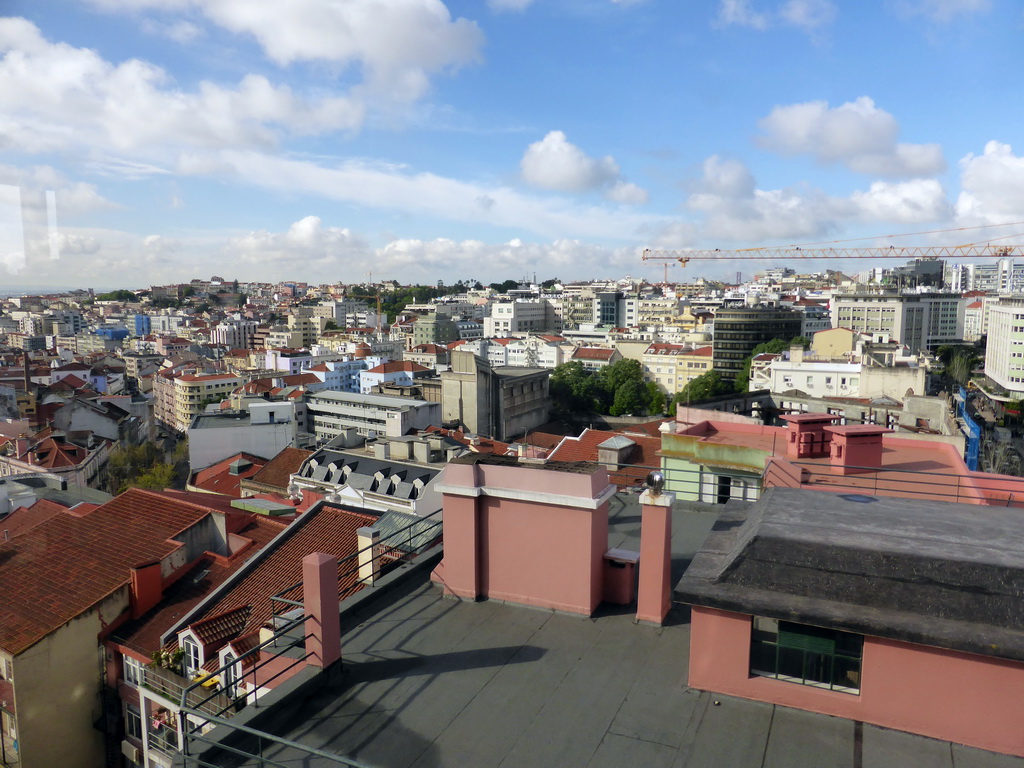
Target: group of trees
x: 616, y: 390
x: 143, y: 466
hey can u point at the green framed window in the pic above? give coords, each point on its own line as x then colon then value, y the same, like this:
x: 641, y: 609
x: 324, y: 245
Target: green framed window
x: 799, y: 653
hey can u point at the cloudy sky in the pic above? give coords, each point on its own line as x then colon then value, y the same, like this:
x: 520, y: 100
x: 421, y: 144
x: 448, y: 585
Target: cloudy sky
x: 148, y: 141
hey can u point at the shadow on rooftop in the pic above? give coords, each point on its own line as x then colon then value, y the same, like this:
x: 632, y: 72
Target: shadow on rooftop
x: 453, y: 661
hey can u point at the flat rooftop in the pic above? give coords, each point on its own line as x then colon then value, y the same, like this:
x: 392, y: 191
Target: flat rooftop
x: 430, y: 682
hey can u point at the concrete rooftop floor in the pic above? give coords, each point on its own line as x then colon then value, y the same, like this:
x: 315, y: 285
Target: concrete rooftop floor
x: 430, y: 682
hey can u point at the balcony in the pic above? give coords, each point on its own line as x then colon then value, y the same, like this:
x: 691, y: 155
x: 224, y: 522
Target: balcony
x: 170, y: 685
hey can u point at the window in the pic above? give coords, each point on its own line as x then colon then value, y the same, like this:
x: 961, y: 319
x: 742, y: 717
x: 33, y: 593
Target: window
x: 798, y: 653
x: 192, y: 659
x: 133, y: 721
x: 133, y: 671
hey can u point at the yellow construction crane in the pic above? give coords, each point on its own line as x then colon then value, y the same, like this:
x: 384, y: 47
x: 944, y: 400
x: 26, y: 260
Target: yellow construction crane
x: 812, y: 251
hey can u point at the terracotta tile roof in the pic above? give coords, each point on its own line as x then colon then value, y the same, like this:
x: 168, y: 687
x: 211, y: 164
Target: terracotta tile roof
x: 143, y: 635
x: 296, y: 379
x: 430, y: 349
x: 592, y: 353
x: 221, y: 626
x: 330, y: 529
x: 542, y: 439
x: 701, y: 352
x: 218, y: 477
x: 659, y: 348
x: 277, y: 471
x: 640, y: 460
x: 93, y: 555
x: 54, y: 453
x: 483, y: 445
x: 25, y: 518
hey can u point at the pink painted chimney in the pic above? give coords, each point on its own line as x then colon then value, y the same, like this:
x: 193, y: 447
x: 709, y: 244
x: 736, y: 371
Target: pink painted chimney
x: 146, y: 587
x: 808, y: 436
x: 856, y: 448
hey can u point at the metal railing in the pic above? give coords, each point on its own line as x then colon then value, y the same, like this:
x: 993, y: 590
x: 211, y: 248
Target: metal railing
x: 970, y: 488
x: 261, y: 743
x: 173, y: 687
x: 400, y: 546
x: 218, y: 703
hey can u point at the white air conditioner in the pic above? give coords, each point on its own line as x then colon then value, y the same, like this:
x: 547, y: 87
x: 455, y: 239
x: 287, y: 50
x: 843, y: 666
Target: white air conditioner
x: 132, y: 752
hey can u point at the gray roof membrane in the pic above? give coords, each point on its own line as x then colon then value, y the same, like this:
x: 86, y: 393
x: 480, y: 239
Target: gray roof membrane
x: 941, y: 574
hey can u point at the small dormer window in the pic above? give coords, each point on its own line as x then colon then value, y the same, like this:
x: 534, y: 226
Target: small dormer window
x: 192, y: 661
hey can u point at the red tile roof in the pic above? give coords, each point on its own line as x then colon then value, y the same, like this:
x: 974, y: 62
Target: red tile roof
x: 640, y: 460
x: 25, y: 518
x: 143, y: 634
x: 218, y: 478
x: 331, y: 530
x: 592, y: 353
x: 93, y: 555
x: 399, y: 366
x: 277, y: 471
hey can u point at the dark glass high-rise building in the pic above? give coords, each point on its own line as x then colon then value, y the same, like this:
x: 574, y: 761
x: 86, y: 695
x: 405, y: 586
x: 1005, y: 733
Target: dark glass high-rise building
x: 739, y: 329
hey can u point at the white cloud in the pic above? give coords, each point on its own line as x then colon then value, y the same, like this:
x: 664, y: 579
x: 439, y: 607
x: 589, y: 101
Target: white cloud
x: 733, y: 208
x: 907, y: 202
x: 740, y: 13
x: 943, y: 10
x: 806, y: 15
x: 396, y: 45
x: 627, y: 193
x: 992, y: 186
x: 857, y: 134
x: 54, y: 96
x: 388, y: 188
x: 557, y: 164
x: 183, y: 32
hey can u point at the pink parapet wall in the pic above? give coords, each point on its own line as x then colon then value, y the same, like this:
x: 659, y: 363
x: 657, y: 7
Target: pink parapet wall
x: 654, y: 593
x: 320, y: 595
x: 529, y: 534
x: 950, y: 695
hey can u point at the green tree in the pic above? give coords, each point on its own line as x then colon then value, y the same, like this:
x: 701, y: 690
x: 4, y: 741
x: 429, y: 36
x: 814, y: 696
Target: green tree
x: 630, y: 398
x: 773, y: 347
x: 710, y: 384
x: 572, y: 389
x: 656, y: 399
x: 330, y: 325
x: 505, y: 286
x: 120, y: 294
x: 156, y: 478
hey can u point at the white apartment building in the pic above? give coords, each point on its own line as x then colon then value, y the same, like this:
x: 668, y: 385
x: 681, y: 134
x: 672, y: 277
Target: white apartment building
x: 1004, y: 355
x: 520, y: 316
x: 237, y: 334
x: 369, y: 415
x: 860, y: 376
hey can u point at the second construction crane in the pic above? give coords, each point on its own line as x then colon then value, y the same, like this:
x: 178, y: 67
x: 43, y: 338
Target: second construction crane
x: 816, y: 252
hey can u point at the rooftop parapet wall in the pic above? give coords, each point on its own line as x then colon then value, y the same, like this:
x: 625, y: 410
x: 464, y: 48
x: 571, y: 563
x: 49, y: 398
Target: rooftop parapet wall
x: 534, y: 535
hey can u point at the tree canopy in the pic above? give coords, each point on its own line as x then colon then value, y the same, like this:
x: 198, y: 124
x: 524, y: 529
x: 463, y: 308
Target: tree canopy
x: 616, y: 390
x: 773, y: 347
x: 710, y: 384
x: 121, y: 294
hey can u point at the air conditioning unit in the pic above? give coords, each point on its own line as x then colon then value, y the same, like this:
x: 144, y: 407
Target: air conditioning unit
x: 132, y: 752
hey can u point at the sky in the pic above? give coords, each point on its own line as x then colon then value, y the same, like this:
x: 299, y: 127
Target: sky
x: 152, y: 141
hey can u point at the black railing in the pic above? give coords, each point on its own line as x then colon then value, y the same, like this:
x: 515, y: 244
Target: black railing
x: 400, y: 546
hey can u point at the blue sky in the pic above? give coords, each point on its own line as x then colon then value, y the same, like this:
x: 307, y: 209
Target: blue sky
x: 420, y: 140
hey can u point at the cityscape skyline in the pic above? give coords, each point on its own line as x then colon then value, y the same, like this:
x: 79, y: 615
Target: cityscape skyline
x: 147, y: 141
